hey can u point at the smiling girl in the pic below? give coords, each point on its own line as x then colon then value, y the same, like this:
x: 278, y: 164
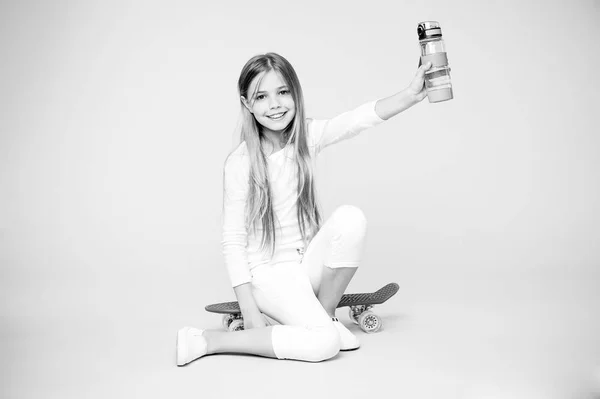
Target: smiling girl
x: 282, y: 260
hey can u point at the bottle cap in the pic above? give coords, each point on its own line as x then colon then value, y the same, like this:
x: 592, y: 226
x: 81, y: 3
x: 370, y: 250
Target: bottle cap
x: 429, y: 30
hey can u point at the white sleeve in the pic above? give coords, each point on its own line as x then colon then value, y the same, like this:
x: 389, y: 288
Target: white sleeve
x: 235, y: 236
x: 323, y: 133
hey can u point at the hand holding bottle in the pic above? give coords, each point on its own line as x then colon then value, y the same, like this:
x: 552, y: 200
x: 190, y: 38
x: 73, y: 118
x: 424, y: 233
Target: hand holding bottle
x: 417, y: 86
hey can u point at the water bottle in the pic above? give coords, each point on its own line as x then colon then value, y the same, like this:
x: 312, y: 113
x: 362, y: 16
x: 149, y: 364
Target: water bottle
x: 437, y: 78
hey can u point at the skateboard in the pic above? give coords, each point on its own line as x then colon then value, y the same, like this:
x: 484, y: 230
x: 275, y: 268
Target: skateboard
x: 359, y: 304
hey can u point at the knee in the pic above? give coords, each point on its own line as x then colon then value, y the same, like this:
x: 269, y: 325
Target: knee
x: 350, y: 218
x: 324, y: 343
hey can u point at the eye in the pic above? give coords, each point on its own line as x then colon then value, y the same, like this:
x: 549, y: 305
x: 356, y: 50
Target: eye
x: 260, y: 97
x: 284, y: 92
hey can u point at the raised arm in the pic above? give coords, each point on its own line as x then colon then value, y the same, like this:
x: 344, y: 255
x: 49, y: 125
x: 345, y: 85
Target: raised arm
x: 349, y: 124
x: 323, y: 133
x: 414, y: 93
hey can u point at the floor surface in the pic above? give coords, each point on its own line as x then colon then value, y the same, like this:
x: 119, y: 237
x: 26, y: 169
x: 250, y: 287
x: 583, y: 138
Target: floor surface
x: 438, y: 342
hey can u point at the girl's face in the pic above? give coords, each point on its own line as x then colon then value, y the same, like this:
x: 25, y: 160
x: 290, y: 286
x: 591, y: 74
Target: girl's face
x: 272, y: 104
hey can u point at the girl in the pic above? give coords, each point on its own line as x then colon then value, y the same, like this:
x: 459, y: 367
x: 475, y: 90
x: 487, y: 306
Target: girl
x: 282, y: 260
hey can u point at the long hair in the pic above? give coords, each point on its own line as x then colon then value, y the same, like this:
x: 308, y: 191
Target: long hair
x: 259, y: 203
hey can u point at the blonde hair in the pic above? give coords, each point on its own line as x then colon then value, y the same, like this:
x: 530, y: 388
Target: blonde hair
x: 259, y: 202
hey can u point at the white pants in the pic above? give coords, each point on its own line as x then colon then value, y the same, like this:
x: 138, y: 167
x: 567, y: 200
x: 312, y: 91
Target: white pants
x: 286, y: 291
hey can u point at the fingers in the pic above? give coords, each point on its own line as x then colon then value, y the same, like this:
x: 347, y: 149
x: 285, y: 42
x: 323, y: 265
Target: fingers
x: 424, y: 68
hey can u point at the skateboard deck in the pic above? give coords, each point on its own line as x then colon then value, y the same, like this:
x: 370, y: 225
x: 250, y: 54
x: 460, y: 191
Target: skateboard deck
x: 360, y: 305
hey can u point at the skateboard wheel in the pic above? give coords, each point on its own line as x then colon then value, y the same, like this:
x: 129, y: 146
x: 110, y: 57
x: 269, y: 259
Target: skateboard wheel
x: 353, y: 314
x: 227, y: 319
x: 369, y: 322
x: 236, y: 325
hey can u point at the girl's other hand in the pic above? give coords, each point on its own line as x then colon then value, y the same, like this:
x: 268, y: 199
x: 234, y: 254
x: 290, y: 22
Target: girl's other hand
x: 417, y: 86
x: 254, y: 320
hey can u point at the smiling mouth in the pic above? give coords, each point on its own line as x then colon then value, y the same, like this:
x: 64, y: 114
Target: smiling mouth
x: 278, y: 116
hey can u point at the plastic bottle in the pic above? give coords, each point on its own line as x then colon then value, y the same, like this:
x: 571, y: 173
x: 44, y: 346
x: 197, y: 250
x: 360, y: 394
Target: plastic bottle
x: 433, y: 48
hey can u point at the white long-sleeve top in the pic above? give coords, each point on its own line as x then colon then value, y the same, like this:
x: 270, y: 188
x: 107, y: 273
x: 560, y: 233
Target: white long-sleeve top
x: 241, y: 247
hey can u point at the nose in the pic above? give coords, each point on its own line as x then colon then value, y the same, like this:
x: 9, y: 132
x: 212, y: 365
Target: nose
x: 274, y: 103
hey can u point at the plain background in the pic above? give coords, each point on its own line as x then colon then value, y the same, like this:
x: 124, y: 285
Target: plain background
x: 116, y: 118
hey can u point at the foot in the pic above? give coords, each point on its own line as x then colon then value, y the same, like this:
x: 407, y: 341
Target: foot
x: 191, y: 345
x: 348, y: 340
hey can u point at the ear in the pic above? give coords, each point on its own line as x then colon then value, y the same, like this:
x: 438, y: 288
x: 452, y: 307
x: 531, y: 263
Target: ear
x: 246, y: 104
